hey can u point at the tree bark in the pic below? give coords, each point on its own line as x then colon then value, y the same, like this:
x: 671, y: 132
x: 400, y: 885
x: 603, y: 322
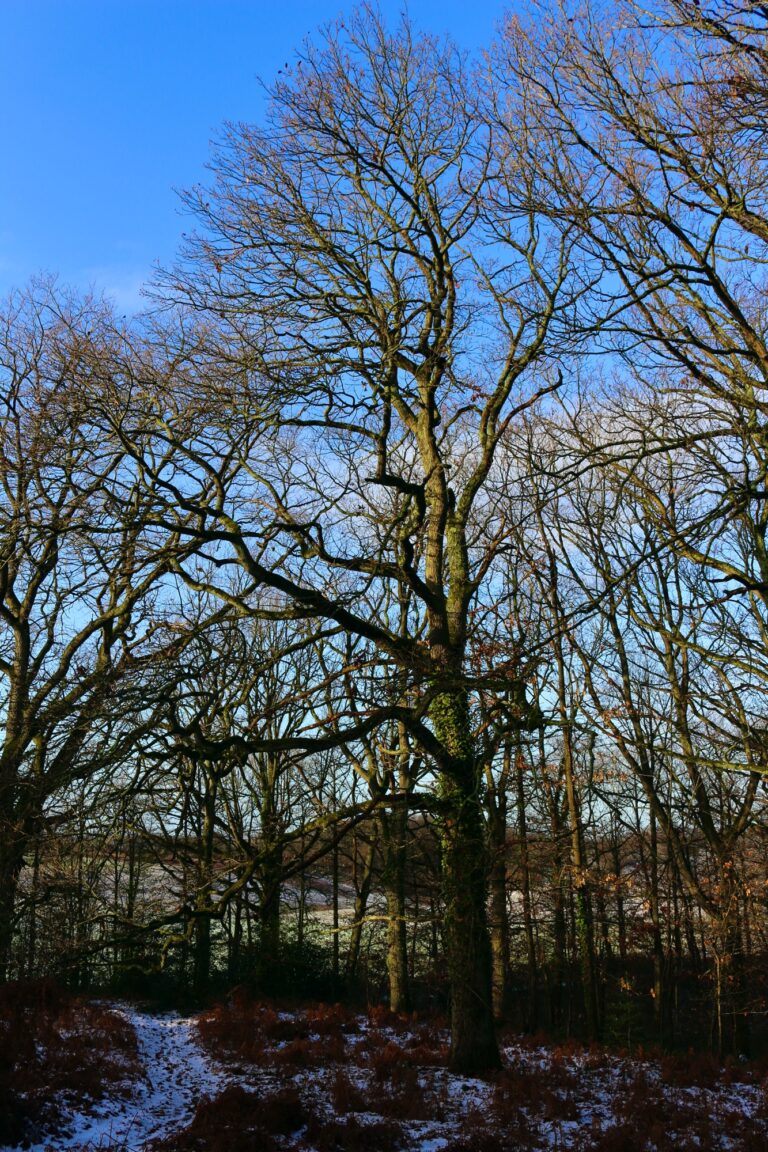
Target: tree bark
x: 202, y: 949
x: 11, y: 863
x: 581, y: 895
x: 270, y: 882
x: 363, y: 891
x: 499, y: 924
x: 659, y: 990
x: 465, y: 874
x: 530, y: 1015
x: 394, y: 828
x: 496, y: 802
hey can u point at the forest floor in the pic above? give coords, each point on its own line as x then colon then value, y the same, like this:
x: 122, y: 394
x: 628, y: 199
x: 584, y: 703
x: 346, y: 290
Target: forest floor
x: 246, y: 1076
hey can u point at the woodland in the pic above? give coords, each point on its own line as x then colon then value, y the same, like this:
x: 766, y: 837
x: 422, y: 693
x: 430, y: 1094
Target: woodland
x: 384, y: 611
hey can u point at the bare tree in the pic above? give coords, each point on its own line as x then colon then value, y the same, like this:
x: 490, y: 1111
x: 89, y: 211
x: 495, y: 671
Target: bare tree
x: 77, y: 586
x: 377, y: 313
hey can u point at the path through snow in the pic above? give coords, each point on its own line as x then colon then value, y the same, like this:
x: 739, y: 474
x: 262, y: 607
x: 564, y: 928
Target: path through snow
x: 177, y: 1073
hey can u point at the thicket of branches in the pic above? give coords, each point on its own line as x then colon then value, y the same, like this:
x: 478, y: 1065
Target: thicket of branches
x: 408, y: 557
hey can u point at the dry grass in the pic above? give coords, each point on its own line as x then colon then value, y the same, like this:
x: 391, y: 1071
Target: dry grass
x: 317, y: 1079
x: 546, y: 1093
x: 249, y: 1030
x: 351, y: 1134
x: 58, y: 1049
x: 238, y: 1120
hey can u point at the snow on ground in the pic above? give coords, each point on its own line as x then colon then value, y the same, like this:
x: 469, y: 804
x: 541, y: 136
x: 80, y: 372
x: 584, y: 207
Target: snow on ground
x: 177, y: 1073
x: 357, y: 1075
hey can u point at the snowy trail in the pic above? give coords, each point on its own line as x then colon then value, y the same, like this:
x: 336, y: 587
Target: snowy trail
x: 177, y: 1073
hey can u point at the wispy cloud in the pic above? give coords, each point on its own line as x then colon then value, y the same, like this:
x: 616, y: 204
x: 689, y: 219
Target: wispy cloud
x: 120, y: 285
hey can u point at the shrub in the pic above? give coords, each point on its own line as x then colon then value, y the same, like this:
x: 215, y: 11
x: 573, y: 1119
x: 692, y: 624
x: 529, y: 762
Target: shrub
x: 352, y: 1135
x: 56, y: 1046
x: 238, y: 1121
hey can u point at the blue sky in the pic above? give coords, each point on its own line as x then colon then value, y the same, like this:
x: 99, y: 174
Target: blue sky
x: 107, y: 106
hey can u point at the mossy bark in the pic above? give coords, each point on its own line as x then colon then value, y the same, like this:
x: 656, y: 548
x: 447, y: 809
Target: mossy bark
x: 465, y: 885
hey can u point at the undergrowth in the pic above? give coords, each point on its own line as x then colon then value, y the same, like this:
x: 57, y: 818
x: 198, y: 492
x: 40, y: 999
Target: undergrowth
x: 391, y: 1071
x: 57, y: 1049
x: 319, y: 1078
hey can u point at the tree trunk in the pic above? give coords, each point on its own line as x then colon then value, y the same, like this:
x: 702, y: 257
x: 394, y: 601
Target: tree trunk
x: 362, y: 892
x: 202, y: 955
x: 557, y: 966
x: 582, y: 903
x: 270, y: 882
x: 499, y: 917
x: 621, y: 917
x: 335, y: 912
x: 34, y: 896
x: 11, y: 862
x: 202, y: 948
x: 659, y: 991
x: 394, y: 827
x: 530, y: 1015
x: 465, y: 876
x: 496, y: 802
x: 235, y: 938
x: 8, y: 881
x: 730, y: 990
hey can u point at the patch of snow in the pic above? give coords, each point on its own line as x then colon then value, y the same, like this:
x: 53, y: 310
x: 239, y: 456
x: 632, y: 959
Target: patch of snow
x: 177, y: 1075
x: 589, y: 1085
